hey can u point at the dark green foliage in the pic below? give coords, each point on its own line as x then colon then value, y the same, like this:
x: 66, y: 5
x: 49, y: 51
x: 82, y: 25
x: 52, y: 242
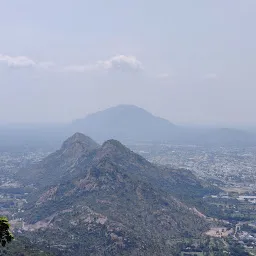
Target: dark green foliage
x: 5, y: 234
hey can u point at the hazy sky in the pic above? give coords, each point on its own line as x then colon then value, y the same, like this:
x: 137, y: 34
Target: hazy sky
x: 187, y: 61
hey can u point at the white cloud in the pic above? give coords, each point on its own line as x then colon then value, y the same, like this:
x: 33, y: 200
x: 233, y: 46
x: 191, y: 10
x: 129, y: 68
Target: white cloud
x: 119, y: 62
x: 24, y: 62
x: 17, y: 62
x: 122, y: 62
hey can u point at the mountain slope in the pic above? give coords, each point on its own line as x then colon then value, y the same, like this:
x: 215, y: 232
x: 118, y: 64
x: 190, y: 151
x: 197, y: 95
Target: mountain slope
x: 112, y: 206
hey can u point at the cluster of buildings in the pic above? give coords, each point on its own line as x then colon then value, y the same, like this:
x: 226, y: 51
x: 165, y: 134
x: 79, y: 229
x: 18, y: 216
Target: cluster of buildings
x: 231, y: 166
x: 11, y: 195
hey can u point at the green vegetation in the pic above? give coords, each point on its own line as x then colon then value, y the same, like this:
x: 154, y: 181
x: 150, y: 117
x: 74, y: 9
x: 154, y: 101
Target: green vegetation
x: 21, y: 246
x: 229, y: 209
x: 5, y: 234
x: 209, y: 246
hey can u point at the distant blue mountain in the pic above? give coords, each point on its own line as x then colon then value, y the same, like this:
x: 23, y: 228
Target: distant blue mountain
x: 125, y: 122
x: 129, y: 123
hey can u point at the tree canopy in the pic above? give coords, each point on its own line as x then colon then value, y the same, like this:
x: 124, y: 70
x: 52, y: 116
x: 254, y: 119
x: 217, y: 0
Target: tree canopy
x: 5, y: 234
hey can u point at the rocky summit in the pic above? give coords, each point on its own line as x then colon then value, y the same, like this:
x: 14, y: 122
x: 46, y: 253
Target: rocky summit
x: 60, y: 163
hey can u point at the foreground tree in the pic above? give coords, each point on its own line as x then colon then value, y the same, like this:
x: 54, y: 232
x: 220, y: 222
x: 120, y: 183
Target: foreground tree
x: 5, y: 234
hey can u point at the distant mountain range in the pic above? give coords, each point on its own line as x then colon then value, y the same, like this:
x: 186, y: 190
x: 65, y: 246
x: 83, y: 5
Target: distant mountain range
x: 127, y: 123
x: 107, y: 200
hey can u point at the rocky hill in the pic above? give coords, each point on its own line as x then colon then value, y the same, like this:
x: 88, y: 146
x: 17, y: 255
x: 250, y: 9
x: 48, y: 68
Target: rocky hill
x: 79, y: 152
x: 106, y: 201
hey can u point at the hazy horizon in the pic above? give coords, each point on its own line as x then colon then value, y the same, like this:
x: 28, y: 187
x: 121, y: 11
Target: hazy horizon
x: 184, y: 124
x: 189, y: 62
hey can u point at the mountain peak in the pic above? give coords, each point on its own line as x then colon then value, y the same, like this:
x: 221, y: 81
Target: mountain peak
x: 60, y: 163
x: 129, y: 107
x: 130, y: 110
x: 79, y: 138
x: 114, y: 145
x: 113, y: 142
x: 115, y: 151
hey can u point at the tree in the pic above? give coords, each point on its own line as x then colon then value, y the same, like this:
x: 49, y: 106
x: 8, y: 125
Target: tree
x: 5, y: 234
